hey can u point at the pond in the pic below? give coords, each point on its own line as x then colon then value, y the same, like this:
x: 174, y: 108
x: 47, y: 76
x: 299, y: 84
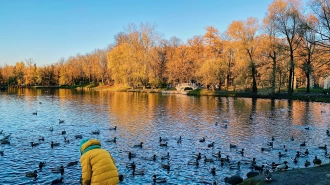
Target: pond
x: 144, y: 117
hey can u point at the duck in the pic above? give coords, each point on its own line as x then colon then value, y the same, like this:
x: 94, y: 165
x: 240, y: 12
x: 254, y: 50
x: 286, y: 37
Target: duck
x: 236, y: 166
x: 328, y: 132
x: 258, y: 168
x: 114, y: 140
x: 195, y: 163
x: 240, y: 151
x: 285, y: 149
x: 317, y: 161
x: 225, y: 159
x: 57, y: 181
x: 268, y: 176
x: 153, y: 158
x: 306, y: 152
x: 41, y: 164
x: 60, y: 121
x: 306, y: 128
x: 78, y: 136
x: 292, y: 139
x: 113, y: 128
x: 167, y: 156
x: 66, y: 140
x: 32, y: 174
x: 35, y: 113
x: 162, y: 139
x: 96, y: 132
x: 217, y: 155
x: 163, y: 144
x: 224, y: 126
x: 138, y: 145
x: 72, y: 163
x: 295, y: 159
x: 4, y: 141
x: 282, y: 167
x: 307, y: 163
x: 265, y: 149
x: 303, y: 143
x: 41, y: 138
x: 213, y: 170
x: 131, y: 165
x: 54, y: 144
x: 156, y: 179
x: 63, y: 132
x: 273, y: 138
x: 210, y: 145
x: 233, y: 180
x: 208, y: 160
x: 198, y: 156
x: 281, y: 155
x: 326, y: 154
x: 202, y: 140
x: 131, y: 155
x: 270, y: 143
x: 138, y: 172
x: 232, y: 146
x: 273, y: 165
x: 166, y: 166
x: 323, y: 147
x: 58, y: 170
x: 51, y: 129
x: 34, y: 144
x: 179, y: 140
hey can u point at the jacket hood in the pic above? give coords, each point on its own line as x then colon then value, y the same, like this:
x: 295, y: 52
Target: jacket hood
x: 89, y: 144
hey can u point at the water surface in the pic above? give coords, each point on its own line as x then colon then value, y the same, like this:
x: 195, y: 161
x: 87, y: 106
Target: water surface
x: 143, y: 117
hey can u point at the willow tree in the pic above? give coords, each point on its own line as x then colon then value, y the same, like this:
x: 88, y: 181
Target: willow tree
x: 119, y: 63
x: 140, y: 42
x: 244, y: 33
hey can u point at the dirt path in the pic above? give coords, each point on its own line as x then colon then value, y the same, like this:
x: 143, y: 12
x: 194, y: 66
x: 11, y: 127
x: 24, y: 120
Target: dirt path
x: 319, y: 175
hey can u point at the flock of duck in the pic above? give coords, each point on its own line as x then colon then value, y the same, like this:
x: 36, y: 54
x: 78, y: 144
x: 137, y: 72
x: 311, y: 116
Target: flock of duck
x: 224, y: 160
x: 5, y: 140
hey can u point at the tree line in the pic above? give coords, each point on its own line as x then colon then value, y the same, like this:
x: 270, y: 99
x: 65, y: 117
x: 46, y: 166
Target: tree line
x: 291, y: 44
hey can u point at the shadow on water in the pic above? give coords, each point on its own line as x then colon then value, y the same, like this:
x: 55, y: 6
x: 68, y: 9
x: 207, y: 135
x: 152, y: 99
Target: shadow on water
x: 140, y: 117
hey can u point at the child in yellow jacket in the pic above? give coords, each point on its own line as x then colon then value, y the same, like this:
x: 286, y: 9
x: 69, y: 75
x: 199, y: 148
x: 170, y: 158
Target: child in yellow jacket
x: 97, y: 165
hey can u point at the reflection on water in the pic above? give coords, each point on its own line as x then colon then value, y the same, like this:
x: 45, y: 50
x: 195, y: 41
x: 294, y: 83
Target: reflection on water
x: 142, y: 117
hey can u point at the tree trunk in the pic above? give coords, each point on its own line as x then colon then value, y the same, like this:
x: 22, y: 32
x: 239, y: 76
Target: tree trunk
x: 254, y: 82
x: 290, y: 89
x: 274, y: 74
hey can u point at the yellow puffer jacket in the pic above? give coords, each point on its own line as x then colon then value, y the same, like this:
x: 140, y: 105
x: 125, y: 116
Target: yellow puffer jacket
x: 98, y: 166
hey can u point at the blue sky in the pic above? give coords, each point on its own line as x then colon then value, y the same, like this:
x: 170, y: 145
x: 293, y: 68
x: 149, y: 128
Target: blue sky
x: 47, y: 30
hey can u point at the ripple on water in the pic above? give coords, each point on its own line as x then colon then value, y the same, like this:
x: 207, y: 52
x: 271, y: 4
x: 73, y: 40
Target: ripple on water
x: 145, y: 118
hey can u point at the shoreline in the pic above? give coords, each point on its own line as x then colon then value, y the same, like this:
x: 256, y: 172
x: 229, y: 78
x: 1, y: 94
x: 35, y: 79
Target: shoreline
x: 301, y: 96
